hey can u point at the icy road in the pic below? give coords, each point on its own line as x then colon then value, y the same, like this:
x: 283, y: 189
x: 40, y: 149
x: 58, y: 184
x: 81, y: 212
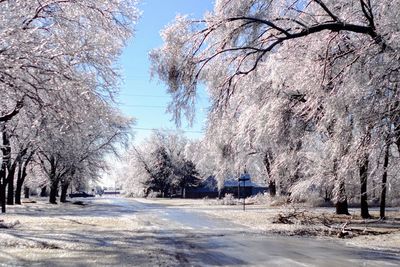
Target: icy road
x: 126, y: 232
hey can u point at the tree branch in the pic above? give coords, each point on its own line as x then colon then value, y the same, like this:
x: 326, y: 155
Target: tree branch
x: 326, y: 9
x: 13, y: 113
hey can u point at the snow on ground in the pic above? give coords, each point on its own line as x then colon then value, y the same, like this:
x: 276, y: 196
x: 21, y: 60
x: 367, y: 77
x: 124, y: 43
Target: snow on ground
x: 108, y: 232
x: 75, y: 235
x: 389, y: 242
x: 260, y: 217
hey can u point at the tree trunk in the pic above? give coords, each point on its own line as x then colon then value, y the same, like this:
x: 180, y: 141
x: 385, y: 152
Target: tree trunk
x: 342, y: 207
x: 53, y: 194
x: 341, y: 203
x: 10, y: 181
x: 20, y: 183
x: 18, y: 190
x: 53, y: 183
x: 147, y: 192
x: 363, y: 179
x: 26, y: 192
x: 43, y: 191
x: 21, y: 179
x: 10, y: 192
x: 384, y: 181
x: 6, y: 151
x: 328, y: 194
x: 64, y: 190
x: 341, y: 200
x: 54, y: 190
x: 272, y: 188
x: 271, y: 183
x: 11, y: 176
x: 2, y: 190
x: 54, y: 179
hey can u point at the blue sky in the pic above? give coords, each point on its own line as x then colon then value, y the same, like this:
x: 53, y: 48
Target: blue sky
x: 141, y: 97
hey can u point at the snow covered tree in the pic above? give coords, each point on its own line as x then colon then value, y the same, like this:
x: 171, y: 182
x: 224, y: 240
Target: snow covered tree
x: 54, y: 57
x: 189, y: 177
x: 310, y: 87
x: 161, y: 180
x: 160, y: 164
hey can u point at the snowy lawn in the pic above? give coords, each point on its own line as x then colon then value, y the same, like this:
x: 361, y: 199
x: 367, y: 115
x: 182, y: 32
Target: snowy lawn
x: 73, y: 235
x: 303, y: 221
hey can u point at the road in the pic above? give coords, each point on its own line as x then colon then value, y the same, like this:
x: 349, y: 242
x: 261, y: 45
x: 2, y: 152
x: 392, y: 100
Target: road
x: 126, y: 232
x: 207, y: 241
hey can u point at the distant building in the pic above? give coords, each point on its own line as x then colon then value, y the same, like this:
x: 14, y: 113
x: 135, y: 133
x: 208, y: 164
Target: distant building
x: 208, y: 188
x: 247, y: 188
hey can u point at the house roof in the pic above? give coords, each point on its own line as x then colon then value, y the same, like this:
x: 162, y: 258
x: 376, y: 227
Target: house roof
x: 235, y: 183
x: 210, y: 184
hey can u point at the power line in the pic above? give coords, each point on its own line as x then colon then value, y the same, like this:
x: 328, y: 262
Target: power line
x: 149, y: 106
x: 142, y: 106
x: 155, y: 96
x: 169, y: 130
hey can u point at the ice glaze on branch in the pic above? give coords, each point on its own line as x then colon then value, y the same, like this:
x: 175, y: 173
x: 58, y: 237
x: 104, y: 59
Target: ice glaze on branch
x: 284, y: 35
x: 9, y: 116
x: 243, y: 34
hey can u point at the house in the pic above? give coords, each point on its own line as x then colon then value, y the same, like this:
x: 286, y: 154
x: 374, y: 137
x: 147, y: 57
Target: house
x: 209, y: 188
x: 247, y: 188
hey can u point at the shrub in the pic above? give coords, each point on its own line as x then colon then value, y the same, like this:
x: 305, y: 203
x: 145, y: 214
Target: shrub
x: 229, y: 200
x: 152, y: 194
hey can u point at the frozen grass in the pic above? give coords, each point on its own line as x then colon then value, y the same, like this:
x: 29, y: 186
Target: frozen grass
x: 73, y: 235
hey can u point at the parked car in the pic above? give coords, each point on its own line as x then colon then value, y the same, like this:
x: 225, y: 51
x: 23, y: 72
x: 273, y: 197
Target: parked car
x: 80, y: 194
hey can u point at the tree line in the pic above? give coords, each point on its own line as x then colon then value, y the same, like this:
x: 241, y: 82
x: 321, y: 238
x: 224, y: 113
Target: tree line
x: 58, y: 79
x: 304, y: 93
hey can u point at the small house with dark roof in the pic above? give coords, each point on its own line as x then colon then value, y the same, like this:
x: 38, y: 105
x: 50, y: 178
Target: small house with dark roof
x: 208, y: 188
x: 246, y: 188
